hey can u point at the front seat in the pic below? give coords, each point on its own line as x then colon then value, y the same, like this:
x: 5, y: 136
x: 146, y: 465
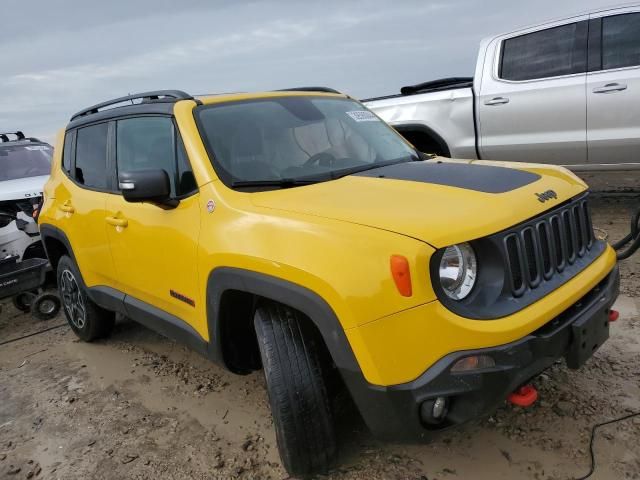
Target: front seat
x: 247, y: 159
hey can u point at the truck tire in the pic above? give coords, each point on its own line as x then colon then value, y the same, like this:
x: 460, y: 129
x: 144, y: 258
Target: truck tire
x: 293, y: 369
x: 88, y: 320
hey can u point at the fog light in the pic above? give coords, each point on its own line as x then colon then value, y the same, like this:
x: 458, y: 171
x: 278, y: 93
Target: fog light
x: 473, y: 362
x: 434, y: 411
x: 439, y: 408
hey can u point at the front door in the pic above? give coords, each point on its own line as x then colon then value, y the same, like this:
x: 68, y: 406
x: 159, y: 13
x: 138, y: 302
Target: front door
x: 531, y: 106
x: 154, y: 248
x: 613, y: 90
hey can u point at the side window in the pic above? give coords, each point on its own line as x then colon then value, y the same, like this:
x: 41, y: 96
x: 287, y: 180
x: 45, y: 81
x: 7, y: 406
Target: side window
x: 546, y: 53
x: 151, y: 143
x: 91, y: 156
x: 186, y: 180
x: 66, y: 153
x: 621, y: 41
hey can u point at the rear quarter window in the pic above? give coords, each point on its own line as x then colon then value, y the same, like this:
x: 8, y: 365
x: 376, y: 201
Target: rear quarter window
x: 66, y: 153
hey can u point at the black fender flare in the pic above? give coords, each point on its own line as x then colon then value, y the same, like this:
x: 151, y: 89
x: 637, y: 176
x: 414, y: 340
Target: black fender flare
x: 373, y: 409
x: 422, y: 128
x: 49, y: 231
x: 222, y: 279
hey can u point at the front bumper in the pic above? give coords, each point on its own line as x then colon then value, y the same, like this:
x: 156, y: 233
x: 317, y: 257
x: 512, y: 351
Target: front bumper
x: 394, y: 412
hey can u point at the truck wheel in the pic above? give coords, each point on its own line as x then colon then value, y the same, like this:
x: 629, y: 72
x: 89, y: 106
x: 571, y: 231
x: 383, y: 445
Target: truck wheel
x: 45, y: 306
x: 86, y: 319
x: 298, y: 397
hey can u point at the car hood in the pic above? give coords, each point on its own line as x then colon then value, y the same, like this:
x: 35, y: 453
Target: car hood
x: 21, y: 188
x: 441, y: 202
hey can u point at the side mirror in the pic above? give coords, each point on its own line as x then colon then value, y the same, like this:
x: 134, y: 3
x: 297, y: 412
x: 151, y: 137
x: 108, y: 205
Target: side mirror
x: 147, y: 186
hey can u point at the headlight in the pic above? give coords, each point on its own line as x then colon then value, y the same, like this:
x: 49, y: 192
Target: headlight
x: 458, y: 270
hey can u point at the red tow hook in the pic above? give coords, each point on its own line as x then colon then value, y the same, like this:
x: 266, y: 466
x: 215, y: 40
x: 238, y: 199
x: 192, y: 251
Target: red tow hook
x: 524, y: 396
x: 613, y: 315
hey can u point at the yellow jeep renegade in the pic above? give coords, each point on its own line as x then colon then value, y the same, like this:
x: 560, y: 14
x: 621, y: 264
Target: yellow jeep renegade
x: 295, y: 231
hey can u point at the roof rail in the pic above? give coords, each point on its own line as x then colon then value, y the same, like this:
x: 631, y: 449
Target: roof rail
x: 19, y: 136
x: 161, y: 96
x: 309, y: 89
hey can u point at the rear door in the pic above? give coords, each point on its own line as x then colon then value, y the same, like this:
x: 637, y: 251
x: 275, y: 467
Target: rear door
x: 80, y: 202
x: 613, y: 88
x: 531, y: 104
x: 155, y: 249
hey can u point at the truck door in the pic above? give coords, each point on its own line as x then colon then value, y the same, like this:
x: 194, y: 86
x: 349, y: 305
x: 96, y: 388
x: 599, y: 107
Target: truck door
x: 613, y: 88
x: 531, y: 104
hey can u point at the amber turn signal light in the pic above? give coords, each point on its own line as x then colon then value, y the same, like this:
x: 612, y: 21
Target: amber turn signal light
x: 401, y: 274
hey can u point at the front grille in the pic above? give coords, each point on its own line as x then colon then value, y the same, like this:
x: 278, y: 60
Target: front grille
x: 544, y: 246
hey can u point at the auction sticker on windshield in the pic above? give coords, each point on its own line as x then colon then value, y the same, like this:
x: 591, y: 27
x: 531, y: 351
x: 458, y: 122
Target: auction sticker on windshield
x: 362, y: 116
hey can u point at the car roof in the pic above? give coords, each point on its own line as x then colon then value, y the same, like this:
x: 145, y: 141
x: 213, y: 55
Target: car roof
x: 240, y: 96
x: 163, y: 102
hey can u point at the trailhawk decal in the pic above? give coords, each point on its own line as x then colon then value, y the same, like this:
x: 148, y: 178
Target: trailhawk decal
x: 481, y: 178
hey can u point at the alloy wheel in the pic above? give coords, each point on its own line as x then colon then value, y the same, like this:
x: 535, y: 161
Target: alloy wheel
x: 72, y: 299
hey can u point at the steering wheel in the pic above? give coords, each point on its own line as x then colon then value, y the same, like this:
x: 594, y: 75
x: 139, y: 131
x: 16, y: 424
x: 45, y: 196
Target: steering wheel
x: 323, y: 158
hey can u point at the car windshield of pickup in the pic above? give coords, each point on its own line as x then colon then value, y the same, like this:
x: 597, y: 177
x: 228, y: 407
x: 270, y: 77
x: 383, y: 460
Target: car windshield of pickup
x: 22, y: 161
x: 280, y: 142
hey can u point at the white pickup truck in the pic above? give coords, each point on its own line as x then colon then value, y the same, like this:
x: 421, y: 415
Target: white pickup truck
x: 565, y: 92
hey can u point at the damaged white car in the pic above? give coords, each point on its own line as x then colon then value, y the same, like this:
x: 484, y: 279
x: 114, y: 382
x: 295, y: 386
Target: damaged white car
x: 25, y: 164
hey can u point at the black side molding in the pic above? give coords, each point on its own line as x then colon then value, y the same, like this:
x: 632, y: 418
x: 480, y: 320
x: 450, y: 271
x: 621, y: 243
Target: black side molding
x: 298, y: 297
x: 165, y: 324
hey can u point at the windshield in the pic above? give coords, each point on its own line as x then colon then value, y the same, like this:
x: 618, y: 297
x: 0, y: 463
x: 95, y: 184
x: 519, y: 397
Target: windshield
x: 284, y: 139
x: 21, y: 161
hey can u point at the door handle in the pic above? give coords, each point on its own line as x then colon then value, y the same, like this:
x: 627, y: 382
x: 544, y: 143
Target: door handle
x: 66, y: 207
x: 117, y: 222
x: 610, y: 87
x: 497, y: 101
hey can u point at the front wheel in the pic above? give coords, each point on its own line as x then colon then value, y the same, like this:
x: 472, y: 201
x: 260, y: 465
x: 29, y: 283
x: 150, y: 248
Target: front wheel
x: 293, y: 368
x: 88, y: 320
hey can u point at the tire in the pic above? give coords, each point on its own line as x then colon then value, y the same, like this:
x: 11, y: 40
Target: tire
x: 293, y: 368
x: 45, y: 306
x: 88, y: 320
x: 22, y: 301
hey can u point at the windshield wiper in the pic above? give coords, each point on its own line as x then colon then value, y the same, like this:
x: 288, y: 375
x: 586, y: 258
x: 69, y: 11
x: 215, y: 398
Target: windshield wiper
x: 362, y: 168
x: 282, y: 182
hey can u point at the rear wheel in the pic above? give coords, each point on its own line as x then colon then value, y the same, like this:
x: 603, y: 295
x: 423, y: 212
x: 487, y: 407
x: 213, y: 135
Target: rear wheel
x: 88, y: 320
x: 293, y: 367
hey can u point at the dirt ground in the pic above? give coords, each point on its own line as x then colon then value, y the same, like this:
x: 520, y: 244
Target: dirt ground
x: 142, y: 407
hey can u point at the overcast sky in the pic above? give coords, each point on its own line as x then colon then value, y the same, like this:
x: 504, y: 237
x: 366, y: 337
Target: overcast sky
x: 60, y: 56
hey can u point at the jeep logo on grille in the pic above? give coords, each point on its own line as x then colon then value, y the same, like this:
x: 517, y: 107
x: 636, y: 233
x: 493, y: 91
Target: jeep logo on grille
x: 548, y: 195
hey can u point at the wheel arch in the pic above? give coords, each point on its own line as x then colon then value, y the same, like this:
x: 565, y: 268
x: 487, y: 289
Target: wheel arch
x: 56, y: 244
x: 422, y: 136
x: 237, y: 290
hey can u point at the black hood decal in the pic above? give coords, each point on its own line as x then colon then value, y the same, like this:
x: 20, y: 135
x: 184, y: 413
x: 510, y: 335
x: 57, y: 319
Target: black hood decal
x: 481, y: 178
